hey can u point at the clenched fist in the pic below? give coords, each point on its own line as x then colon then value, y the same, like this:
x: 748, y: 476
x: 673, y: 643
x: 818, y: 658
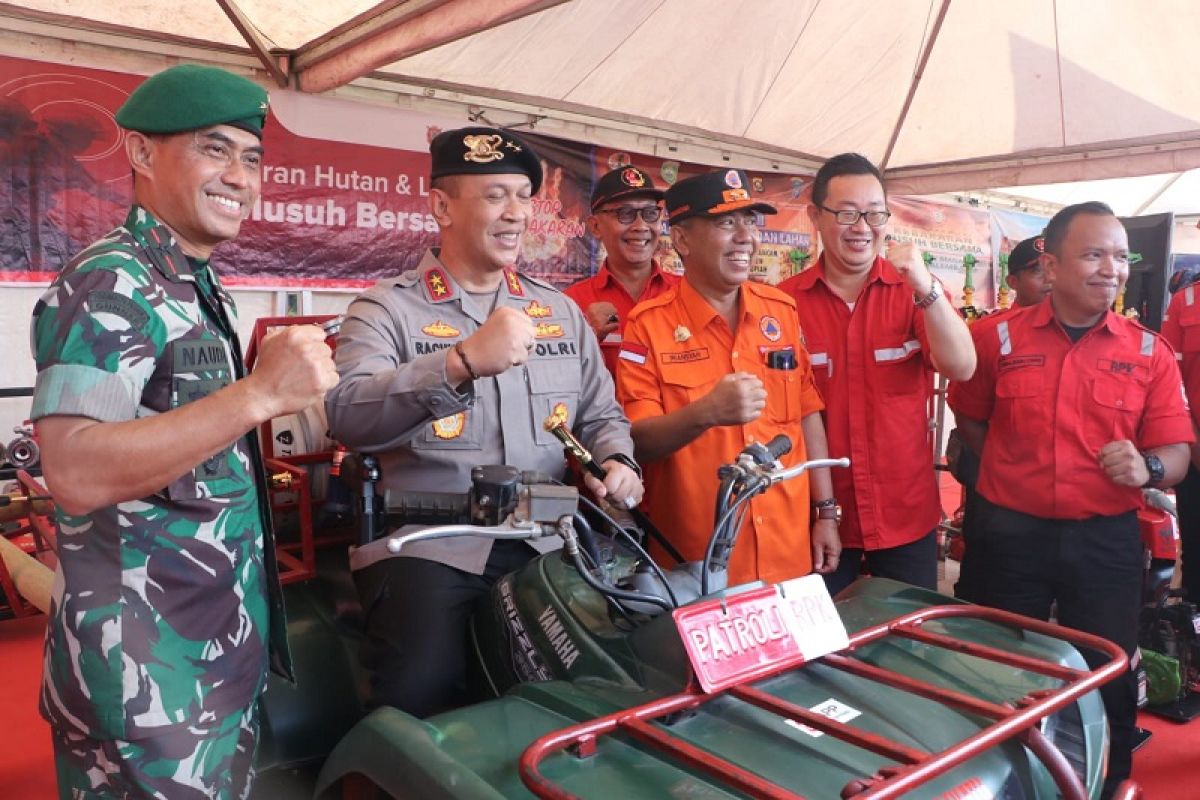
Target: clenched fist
x: 502, y: 341
x: 737, y: 398
x: 294, y: 370
x: 602, y: 318
x: 1124, y: 464
x: 906, y: 257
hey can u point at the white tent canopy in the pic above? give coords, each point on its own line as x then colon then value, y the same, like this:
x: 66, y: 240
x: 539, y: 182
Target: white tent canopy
x: 947, y: 94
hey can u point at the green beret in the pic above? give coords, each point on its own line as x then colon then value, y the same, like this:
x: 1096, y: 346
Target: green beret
x: 484, y: 151
x: 188, y: 97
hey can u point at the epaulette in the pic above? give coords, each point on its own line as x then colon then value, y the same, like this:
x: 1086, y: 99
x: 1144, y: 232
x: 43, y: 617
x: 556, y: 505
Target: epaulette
x: 408, y: 278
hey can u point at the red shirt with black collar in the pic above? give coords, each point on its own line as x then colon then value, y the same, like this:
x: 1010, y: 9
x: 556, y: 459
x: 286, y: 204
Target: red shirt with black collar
x: 1051, y: 404
x: 871, y: 365
x: 604, y: 288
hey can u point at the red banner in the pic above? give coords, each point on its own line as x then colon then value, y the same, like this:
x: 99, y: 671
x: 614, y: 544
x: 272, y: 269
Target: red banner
x: 345, y: 193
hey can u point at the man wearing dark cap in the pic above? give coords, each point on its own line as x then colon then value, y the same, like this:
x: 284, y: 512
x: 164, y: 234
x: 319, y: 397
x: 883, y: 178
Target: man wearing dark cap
x: 626, y: 214
x: 452, y: 365
x: 877, y: 329
x: 166, y: 606
x: 1027, y: 279
x: 715, y: 364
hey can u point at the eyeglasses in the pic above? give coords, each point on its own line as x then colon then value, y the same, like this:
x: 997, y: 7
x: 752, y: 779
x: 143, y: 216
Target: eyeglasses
x: 627, y: 214
x: 876, y: 219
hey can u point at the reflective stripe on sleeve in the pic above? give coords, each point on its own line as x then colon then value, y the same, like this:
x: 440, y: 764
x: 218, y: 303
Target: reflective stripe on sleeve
x: 1005, y: 342
x: 1147, y: 343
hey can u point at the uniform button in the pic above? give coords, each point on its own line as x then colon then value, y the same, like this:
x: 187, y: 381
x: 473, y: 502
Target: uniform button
x: 734, y: 354
x: 1120, y: 403
x: 435, y: 401
x: 758, y: 520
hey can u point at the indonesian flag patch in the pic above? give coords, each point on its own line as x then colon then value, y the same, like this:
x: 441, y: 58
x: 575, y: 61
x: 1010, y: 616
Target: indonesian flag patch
x: 633, y: 352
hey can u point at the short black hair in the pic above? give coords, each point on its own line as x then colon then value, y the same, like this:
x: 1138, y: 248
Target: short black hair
x: 1056, y: 228
x: 843, y: 164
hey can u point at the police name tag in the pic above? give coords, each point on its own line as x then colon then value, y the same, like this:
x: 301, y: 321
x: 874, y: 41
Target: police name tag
x: 746, y: 636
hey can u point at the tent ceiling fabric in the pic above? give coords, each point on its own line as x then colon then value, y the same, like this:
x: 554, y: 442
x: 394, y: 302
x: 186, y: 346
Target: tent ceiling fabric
x: 1014, y: 93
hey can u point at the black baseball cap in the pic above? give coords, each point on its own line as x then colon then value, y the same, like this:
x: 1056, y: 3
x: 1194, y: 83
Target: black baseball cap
x: 1025, y: 255
x: 712, y: 195
x: 627, y: 181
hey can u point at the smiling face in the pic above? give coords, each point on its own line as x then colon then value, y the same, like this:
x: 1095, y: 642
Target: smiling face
x: 850, y: 249
x: 483, y: 219
x: 717, y: 251
x: 1088, y: 269
x: 200, y: 184
x: 629, y: 246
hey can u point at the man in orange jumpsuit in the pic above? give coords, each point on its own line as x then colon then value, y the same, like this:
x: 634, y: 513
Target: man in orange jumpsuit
x: 716, y: 364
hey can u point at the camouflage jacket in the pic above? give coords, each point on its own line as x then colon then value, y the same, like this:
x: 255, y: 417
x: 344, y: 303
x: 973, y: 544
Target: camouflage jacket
x: 161, y: 606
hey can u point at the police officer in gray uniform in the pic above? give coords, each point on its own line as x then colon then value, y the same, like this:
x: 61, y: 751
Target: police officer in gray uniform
x: 456, y: 364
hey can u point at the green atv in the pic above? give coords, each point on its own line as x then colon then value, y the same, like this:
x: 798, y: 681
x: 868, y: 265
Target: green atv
x: 610, y: 677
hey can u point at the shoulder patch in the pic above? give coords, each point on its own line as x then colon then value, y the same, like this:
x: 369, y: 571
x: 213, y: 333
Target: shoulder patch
x: 107, y: 302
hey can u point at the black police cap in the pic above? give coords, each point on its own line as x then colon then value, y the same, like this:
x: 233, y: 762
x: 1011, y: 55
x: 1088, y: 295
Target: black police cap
x: 484, y: 151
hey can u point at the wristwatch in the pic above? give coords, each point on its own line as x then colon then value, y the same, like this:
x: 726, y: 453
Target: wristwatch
x: 935, y: 291
x: 828, y: 509
x: 1156, y: 469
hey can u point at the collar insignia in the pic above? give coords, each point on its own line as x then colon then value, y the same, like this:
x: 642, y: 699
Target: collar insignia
x: 514, y: 283
x: 438, y: 285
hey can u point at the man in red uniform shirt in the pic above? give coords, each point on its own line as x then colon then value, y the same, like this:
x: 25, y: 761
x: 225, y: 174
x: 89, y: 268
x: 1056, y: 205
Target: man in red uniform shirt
x: 1074, y: 409
x: 1181, y: 329
x: 714, y: 365
x: 876, y: 330
x: 626, y: 209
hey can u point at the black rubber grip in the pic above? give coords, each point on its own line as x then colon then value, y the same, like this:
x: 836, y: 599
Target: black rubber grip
x: 779, y: 447
x: 427, y: 508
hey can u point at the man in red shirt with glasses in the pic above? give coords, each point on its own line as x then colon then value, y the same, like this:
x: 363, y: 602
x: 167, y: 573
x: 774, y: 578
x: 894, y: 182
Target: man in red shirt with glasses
x: 876, y: 330
x: 626, y: 214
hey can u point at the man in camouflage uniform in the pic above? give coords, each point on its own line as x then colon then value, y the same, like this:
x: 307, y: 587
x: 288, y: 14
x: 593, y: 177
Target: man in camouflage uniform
x: 456, y: 364
x: 158, y: 645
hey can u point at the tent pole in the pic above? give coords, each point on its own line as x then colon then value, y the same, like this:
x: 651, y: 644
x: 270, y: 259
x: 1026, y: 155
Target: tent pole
x: 916, y: 81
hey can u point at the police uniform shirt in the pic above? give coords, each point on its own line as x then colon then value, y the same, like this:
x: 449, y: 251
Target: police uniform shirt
x: 394, y: 400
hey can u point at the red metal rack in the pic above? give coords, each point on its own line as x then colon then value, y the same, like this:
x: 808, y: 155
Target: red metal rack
x: 914, y: 767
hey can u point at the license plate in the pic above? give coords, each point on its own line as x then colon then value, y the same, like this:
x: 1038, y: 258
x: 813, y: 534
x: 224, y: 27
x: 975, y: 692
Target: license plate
x: 737, y: 639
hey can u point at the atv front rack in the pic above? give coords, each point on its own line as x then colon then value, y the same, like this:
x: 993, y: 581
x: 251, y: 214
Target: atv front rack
x: 914, y: 767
